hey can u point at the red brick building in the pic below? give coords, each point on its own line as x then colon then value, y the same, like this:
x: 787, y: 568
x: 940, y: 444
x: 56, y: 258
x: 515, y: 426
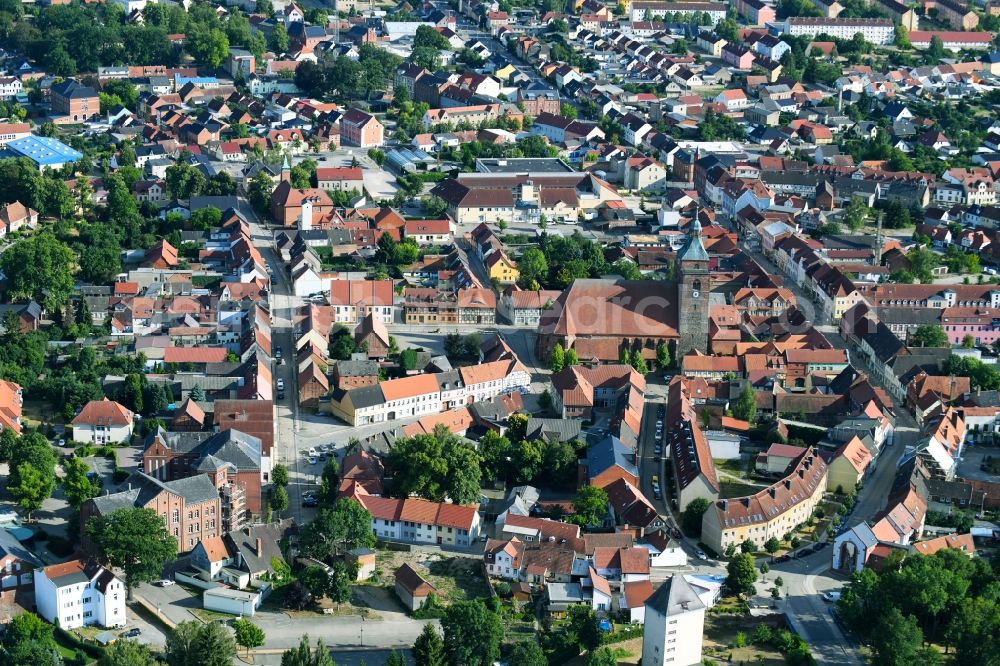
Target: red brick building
x: 358, y: 128
x: 191, y: 507
x: 229, y: 457
x: 75, y: 100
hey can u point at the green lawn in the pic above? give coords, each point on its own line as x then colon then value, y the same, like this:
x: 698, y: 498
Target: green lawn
x: 730, y: 489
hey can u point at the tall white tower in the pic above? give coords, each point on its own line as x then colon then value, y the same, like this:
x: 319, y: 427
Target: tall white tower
x: 674, y: 625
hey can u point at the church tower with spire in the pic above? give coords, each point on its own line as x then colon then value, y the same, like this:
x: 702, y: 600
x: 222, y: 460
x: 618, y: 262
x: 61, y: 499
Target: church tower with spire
x: 693, y: 286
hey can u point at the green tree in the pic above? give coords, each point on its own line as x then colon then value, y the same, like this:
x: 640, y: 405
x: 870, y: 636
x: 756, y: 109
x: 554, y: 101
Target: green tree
x: 494, y: 449
x: 527, y: 653
x: 856, y: 214
x: 896, y: 640
x: 336, y: 530
x: 279, y: 475
x: 209, y: 46
x: 557, y: 360
x: 590, y: 505
x: 571, y: 357
x: 901, y: 39
x: 340, y: 584
x: 583, y: 623
x: 330, y: 482
x: 434, y: 206
x: 28, y: 641
x: 626, y: 357
x: 32, y: 472
x: 427, y: 37
x: 929, y: 335
x: 303, y: 655
x: 197, y: 393
x: 691, y: 520
x: 127, y: 653
x: 604, y: 656
x: 742, y: 574
x: 533, y: 269
x: 278, y: 500
x: 135, y: 541
x: 772, y: 545
x: 745, y: 407
x: 429, y: 648
x: 259, y: 192
x: 194, y: 643
x: 639, y: 363
x: 662, y: 356
x: 527, y: 459
x: 435, y: 465
x: 968, y: 342
x: 317, y: 580
x: 472, y: 634
x: 39, y: 267
x: 278, y: 41
x: 248, y: 635
x: 77, y: 486
x: 408, y: 359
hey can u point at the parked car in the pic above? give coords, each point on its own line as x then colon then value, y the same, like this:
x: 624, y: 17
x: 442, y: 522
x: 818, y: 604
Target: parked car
x: 280, y: 384
x: 310, y: 501
x: 313, y: 461
x: 281, y: 395
x: 701, y: 555
x: 831, y: 596
x: 277, y: 352
x: 164, y: 582
x: 312, y: 452
x: 132, y: 633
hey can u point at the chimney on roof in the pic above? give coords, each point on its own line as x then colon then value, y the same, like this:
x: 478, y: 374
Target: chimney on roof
x: 772, y: 492
x: 788, y: 484
x: 259, y: 550
x: 802, y: 474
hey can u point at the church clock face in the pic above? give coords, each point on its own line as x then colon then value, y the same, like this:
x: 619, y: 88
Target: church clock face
x: 695, y: 293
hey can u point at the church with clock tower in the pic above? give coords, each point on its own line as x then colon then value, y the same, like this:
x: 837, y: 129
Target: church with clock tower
x: 693, y: 286
x: 600, y: 319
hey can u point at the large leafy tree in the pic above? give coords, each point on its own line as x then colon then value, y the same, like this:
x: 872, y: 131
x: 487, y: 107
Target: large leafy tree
x: 741, y: 574
x: 472, y: 634
x: 746, y: 404
x: 691, y: 519
x: 528, y: 653
x: 583, y: 624
x: 896, y: 640
x: 32, y: 471
x: 248, y: 635
x: 196, y: 644
x: 304, y: 655
x: 134, y: 540
x: 127, y: 653
x: 345, y: 526
x: 39, y: 267
x: 28, y: 641
x: 590, y: 505
x: 77, y: 486
x: 929, y: 335
x: 436, y: 466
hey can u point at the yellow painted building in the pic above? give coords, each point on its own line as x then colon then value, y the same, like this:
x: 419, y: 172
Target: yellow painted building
x: 501, y: 268
x: 773, y: 512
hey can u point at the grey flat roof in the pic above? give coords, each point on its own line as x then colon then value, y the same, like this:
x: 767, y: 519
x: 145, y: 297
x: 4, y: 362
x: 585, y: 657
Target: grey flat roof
x: 523, y: 165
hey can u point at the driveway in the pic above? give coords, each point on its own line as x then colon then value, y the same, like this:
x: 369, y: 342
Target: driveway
x: 395, y: 630
x: 173, y: 601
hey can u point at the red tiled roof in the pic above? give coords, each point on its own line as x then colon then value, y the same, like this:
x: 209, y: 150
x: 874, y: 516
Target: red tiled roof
x: 103, y: 412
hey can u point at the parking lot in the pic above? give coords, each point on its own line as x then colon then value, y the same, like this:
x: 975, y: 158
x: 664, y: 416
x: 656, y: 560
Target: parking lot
x: 976, y: 463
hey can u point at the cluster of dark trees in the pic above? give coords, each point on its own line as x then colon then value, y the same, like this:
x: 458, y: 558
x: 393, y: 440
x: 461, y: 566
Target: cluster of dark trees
x: 947, y: 599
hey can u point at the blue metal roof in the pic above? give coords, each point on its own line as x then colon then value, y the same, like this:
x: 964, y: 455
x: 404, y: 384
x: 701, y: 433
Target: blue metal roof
x: 607, y: 453
x: 43, y: 150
